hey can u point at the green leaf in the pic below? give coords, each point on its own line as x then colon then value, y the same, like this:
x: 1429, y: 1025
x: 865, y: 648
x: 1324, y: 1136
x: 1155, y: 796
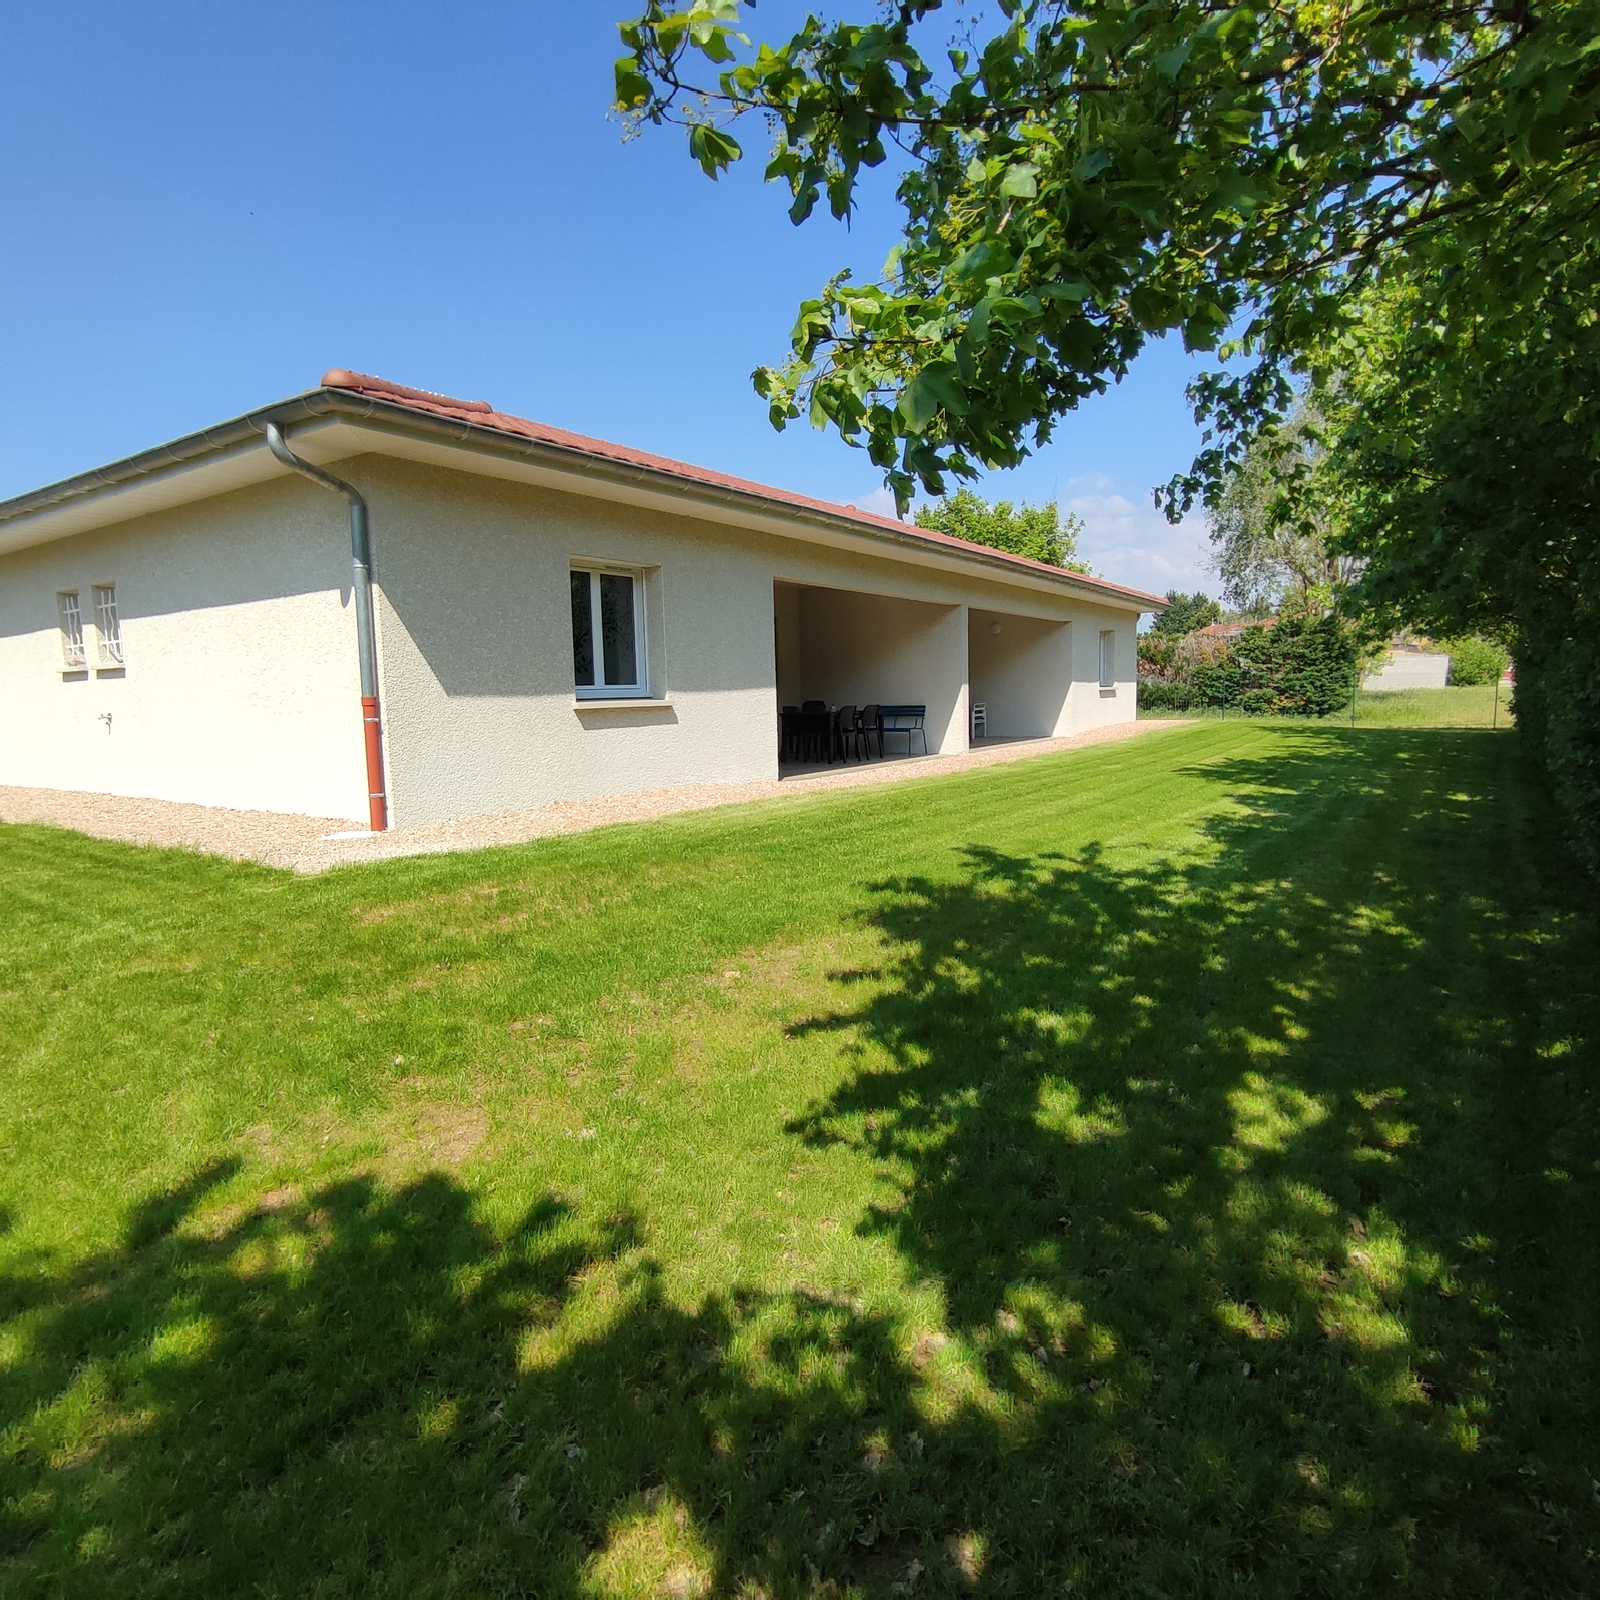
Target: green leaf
x: 632, y: 87
x: 1170, y: 64
x: 1021, y: 181
x: 988, y: 258
x: 933, y: 389
x: 715, y: 150
x: 1092, y: 165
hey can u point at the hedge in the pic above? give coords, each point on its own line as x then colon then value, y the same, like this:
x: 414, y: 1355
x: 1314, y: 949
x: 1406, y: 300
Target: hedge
x: 1294, y: 668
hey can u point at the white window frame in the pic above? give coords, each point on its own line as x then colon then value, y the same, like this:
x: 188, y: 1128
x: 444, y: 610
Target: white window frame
x: 108, y: 625
x: 69, y: 617
x: 640, y: 688
x: 1108, y: 658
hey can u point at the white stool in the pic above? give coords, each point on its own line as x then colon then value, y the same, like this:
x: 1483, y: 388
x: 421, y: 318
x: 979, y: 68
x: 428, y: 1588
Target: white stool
x: 980, y: 721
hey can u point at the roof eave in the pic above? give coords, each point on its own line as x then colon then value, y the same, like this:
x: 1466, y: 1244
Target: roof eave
x: 321, y: 405
x: 498, y: 440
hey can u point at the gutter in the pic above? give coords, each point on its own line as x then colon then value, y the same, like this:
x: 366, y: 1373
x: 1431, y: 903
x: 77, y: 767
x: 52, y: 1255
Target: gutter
x: 366, y: 639
x: 327, y: 403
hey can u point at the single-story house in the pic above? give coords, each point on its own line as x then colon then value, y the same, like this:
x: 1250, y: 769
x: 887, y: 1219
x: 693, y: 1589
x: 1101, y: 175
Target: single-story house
x: 375, y: 602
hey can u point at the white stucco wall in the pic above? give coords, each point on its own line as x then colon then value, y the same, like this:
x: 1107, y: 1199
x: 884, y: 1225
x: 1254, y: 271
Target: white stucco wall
x: 1021, y: 674
x: 1088, y: 704
x: 476, y: 637
x: 241, y: 687
x: 477, y: 653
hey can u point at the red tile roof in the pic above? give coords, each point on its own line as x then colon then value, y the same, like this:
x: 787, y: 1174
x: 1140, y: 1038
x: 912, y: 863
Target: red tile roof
x: 481, y: 414
x: 1232, y: 630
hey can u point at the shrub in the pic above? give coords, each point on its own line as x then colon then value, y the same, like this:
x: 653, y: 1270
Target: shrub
x: 1218, y: 683
x: 1474, y: 660
x: 1310, y: 667
x: 1294, y: 667
x: 1557, y: 704
x: 1154, y: 695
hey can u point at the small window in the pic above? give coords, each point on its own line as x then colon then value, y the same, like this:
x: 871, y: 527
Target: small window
x: 607, y: 633
x: 106, y: 624
x: 1108, y: 659
x: 71, y: 619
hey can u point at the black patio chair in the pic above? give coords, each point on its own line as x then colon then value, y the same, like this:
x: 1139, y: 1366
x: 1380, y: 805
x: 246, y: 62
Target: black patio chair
x: 845, y: 733
x: 808, y: 732
x: 868, y: 724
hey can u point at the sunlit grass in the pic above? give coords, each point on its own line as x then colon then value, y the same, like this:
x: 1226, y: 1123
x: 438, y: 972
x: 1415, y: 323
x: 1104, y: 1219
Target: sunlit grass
x: 1482, y: 705
x: 1167, y: 1168
x: 1468, y: 706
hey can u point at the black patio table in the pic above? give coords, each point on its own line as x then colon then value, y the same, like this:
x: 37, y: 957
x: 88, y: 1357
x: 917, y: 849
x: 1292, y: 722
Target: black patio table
x: 804, y: 731
x: 808, y: 730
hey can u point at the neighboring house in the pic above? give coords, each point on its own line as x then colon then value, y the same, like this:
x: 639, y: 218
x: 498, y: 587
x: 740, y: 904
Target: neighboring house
x: 1229, y: 632
x: 552, y: 618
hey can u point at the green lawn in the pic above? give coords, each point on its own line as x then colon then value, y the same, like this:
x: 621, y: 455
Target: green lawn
x: 1468, y: 706
x: 1166, y: 1169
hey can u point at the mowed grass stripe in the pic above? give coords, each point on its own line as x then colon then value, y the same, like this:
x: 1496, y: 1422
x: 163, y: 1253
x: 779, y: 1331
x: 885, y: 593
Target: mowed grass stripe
x: 1163, y: 1168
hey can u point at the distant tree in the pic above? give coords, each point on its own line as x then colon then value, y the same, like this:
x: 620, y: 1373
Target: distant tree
x: 1039, y: 532
x: 1273, y: 527
x: 1186, y: 613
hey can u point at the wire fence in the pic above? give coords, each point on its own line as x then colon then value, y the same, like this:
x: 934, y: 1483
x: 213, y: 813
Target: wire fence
x: 1485, y: 705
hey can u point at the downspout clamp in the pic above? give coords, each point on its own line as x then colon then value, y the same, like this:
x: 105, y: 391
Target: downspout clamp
x: 366, y: 639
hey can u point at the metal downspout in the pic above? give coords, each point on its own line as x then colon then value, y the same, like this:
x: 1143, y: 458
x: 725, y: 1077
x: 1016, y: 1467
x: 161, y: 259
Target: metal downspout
x: 366, y: 639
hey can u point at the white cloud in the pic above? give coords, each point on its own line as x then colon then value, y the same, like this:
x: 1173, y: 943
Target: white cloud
x: 1135, y: 544
x: 880, y: 501
x: 1123, y: 540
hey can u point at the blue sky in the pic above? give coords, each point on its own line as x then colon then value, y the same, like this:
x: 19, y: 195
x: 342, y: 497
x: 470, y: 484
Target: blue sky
x: 207, y: 206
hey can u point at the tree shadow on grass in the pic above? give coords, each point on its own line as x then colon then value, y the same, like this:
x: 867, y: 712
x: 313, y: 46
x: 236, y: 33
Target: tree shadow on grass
x: 1237, y: 1170
x: 364, y: 1391
x: 1231, y: 1175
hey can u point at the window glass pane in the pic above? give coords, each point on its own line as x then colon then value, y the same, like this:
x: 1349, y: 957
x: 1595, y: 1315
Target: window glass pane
x: 616, y: 629
x: 582, y: 632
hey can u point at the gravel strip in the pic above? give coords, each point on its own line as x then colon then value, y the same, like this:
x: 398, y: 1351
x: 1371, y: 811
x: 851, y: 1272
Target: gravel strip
x: 274, y: 837
x: 303, y: 843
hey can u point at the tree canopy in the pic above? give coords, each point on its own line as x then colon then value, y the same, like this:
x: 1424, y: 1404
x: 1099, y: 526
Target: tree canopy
x: 1463, y: 434
x: 1186, y: 612
x: 1383, y: 212
x: 1097, y: 172
x: 1275, y: 526
x: 1038, y: 532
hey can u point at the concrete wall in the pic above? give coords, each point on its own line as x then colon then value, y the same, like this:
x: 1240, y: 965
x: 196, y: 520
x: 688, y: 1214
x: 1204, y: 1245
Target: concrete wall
x: 1021, y: 671
x: 241, y: 686
x: 1410, y: 670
